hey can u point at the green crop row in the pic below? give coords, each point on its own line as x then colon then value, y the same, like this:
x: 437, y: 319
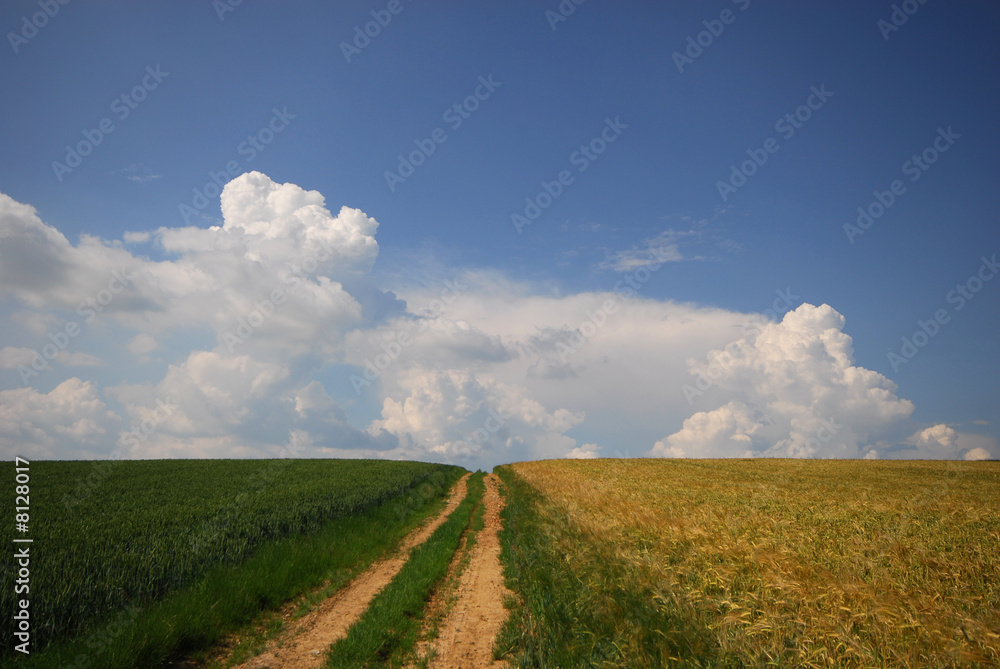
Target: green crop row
x: 141, y: 529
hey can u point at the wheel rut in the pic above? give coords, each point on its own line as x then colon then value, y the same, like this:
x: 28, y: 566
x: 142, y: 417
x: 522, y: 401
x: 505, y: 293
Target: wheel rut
x: 466, y: 635
x: 303, y: 643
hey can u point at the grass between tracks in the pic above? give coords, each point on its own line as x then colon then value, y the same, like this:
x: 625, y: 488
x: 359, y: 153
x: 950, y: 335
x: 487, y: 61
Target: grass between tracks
x: 387, y: 632
x: 446, y: 594
x: 228, y: 597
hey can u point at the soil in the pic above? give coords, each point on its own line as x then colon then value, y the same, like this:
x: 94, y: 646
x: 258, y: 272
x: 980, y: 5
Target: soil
x: 465, y: 639
x: 303, y: 643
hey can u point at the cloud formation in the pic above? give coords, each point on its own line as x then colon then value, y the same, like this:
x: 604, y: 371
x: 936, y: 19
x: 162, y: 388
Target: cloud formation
x: 796, y: 393
x: 267, y: 334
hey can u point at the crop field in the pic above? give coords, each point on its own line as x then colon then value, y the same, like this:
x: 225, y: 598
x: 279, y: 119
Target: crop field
x: 649, y: 563
x: 568, y: 563
x: 114, y: 537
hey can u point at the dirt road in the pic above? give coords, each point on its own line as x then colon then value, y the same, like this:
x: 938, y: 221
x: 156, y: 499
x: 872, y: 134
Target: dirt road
x: 467, y: 633
x: 304, y: 642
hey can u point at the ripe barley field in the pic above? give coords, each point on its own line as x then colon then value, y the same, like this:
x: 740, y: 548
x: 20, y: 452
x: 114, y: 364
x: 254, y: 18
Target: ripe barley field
x: 790, y: 563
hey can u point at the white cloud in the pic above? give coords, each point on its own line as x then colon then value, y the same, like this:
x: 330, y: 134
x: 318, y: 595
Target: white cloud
x: 63, y: 423
x: 278, y: 242
x: 934, y: 437
x: 808, y: 398
x: 219, y: 401
x: 585, y: 452
x: 35, y: 322
x: 78, y: 359
x: 978, y: 454
x: 142, y: 343
x: 252, y: 317
x: 471, y: 418
x: 724, y: 433
x: 659, y: 249
x: 12, y: 357
x: 136, y: 237
x: 941, y: 442
x: 138, y: 173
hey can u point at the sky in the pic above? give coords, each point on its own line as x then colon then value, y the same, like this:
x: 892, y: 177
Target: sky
x: 480, y: 233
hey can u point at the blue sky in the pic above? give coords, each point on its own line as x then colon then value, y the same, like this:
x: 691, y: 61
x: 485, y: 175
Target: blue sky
x: 555, y: 86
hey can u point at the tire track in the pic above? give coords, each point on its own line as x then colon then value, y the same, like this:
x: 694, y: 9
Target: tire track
x: 304, y: 643
x: 466, y: 636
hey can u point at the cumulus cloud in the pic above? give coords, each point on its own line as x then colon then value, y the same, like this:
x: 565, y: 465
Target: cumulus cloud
x: 278, y: 245
x: 795, y: 393
x: 271, y: 285
x: 936, y: 437
x: 213, y: 402
x: 585, y: 452
x: 66, y: 422
x: 471, y: 418
x: 12, y: 357
x: 940, y: 442
x: 41, y: 269
x: 725, y: 432
x: 142, y: 343
x: 271, y: 331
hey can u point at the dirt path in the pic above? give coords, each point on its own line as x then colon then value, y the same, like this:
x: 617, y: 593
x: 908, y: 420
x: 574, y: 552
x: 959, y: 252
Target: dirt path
x: 304, y: 642
x: 466, y: 636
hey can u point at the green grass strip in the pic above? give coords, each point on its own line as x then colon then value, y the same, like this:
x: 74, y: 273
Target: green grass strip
x: 448, y: 588
x: 230, y: 597
x: 386, y: 633
x: 579, y: 606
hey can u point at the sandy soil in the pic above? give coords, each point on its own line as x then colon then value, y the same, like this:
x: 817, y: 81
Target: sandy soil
x: 304, y: 642
x: 466, y: 636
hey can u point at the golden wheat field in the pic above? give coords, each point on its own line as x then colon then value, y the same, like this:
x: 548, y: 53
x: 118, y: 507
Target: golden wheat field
x: 797, y: 563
